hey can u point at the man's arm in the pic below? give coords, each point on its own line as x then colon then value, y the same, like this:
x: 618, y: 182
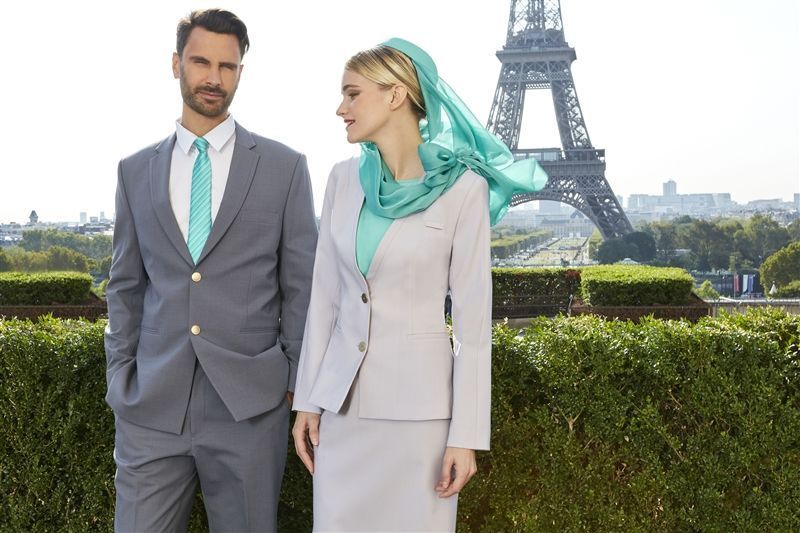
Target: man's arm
x: 126, y: 286
x: 296, y: 263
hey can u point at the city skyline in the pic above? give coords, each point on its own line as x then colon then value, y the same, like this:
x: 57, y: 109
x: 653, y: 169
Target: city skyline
x: 664, y: 93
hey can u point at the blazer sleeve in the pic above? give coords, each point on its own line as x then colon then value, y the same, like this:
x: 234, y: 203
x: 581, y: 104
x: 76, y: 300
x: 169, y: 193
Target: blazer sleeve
x: 471, y: 294
x: 295, y: 263
x: 126, y: 287
x: 322, y: 309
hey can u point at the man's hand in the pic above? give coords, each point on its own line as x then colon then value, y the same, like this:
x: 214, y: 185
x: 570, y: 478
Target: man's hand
x: 306, y: 435
x: 458, y: 467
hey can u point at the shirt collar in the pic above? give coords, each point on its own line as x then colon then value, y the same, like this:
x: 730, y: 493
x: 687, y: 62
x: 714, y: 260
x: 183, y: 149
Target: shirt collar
x: 217, y: 138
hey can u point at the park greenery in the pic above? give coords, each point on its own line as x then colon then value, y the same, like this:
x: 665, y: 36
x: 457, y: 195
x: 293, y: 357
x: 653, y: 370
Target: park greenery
x: 597, y: 425
x: 719, y: 244
x: 782, y: 268
x: 507, y: 242
x: 54, y: 250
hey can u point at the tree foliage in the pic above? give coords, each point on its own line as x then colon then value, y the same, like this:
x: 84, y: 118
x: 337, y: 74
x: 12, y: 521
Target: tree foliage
x: 782, y: 267
x: 96, y: 247
x: 707, y: 291
x: 729, y: 244
x: 5, y: 263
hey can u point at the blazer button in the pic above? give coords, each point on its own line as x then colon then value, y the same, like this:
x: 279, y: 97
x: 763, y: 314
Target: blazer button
x: 364, y: 297
x: 196, y: 277
x: 362, y: 346
x: 195, y: 330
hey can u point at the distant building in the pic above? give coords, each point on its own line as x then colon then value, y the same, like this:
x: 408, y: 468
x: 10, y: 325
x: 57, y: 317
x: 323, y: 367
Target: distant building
x: 84, y: 218
x: 797, y: 201
x: 33, y: 218
x: 670, y: 188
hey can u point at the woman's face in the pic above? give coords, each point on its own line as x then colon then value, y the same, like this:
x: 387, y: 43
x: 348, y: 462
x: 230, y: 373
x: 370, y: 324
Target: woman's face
x: 365, y: 107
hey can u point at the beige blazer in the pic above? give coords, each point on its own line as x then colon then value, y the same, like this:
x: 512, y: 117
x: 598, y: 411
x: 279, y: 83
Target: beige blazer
x: 389, y: 328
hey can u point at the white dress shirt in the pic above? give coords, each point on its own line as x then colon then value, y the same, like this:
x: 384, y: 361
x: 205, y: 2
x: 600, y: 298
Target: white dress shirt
x: 220, y: 152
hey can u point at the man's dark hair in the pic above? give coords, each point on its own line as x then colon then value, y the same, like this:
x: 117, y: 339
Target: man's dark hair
x: 216, y: 20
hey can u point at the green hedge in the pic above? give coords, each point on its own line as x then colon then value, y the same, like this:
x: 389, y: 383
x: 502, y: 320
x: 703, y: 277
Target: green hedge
x: 526, y: 292
x: 597, y: 425
x: 635, y: 285
x: 512, y: 282
x: 45, y: 288
x: 658, y: 426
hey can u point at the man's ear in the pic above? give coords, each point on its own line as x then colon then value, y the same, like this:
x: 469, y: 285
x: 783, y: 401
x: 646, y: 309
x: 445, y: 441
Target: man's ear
x: 176, y: 65
x: 399, y: 95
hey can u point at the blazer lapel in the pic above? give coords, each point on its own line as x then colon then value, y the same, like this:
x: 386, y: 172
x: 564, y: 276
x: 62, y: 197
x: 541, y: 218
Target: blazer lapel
x: 384, y: 245
x: 159, y: 193
x: 240, y: 176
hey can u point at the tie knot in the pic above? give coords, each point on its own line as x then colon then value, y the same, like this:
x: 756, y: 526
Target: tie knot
x: 201, y: 144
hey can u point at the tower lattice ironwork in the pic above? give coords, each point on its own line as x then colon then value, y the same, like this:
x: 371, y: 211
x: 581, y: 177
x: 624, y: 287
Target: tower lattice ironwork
x: 537, y: 56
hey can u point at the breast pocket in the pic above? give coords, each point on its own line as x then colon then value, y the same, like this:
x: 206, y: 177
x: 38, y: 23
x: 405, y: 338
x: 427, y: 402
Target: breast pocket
x: 258, y: 216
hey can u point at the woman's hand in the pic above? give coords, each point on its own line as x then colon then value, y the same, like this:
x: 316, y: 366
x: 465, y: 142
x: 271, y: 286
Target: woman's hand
x: 306, y: 435
x: 458, y: 467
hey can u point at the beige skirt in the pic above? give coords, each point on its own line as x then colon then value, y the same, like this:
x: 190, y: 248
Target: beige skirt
x: 379, y: 475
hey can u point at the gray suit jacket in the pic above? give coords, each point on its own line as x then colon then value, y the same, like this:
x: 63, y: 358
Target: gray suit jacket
x: 240, y: 311
x: 389, y: 328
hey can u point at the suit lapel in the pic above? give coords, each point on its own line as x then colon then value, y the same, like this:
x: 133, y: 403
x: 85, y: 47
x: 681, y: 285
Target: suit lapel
x: 384, y: 245
x: 240, y: 176
x: 159, y: 193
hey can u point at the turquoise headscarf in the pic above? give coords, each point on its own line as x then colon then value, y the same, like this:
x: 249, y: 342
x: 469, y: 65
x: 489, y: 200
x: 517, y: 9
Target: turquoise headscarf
x: 453, y: 141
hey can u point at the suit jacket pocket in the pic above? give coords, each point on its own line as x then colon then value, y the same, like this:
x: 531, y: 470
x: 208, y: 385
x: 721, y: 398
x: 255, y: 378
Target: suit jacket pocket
x: 258, y: 216
x: 434, y: 224
x: 431, y: 335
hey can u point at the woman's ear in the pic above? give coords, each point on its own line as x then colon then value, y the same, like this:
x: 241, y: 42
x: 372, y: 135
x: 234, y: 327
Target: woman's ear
x: 399, y: 95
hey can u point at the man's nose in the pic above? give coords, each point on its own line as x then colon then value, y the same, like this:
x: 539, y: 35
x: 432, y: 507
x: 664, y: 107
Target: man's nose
x: 214, y: 77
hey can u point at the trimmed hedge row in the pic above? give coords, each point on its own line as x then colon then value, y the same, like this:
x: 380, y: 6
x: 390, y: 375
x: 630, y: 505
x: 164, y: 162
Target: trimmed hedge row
x: 524, y: 292
x: 597, y: 425
x: 635, y: 285
x: 45, y: 288
x: 659, y: 426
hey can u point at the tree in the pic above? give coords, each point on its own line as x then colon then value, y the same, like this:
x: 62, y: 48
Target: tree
x: 61, y: 258
x: 761, y: 237
x: 95, y: 247
x: 706, y: 291
x: 709, y: 245
x: 793, y: 229
x: 613, y: 250
x: 782, y: 267
x: 5, y: 262
x: 645, y: 245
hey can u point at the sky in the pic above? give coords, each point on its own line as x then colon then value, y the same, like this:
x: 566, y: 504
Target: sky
x: 703, y: 92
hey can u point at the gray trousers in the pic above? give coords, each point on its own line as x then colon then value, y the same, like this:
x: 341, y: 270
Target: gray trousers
x: 239, y: 465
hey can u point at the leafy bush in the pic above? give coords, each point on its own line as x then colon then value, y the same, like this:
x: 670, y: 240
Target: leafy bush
x: 707, y: 291
x: 57, y: 434
x: 635, y: 285
x: 596, y: 425
x: 17, y: 288
x: 656, y: 427
x: 532, y: 291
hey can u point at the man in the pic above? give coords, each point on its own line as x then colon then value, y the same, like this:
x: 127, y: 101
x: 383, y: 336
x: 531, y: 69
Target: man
x: 213, y: 252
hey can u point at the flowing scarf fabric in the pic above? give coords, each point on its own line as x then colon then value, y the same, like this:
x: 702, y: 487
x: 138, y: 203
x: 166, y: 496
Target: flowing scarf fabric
x: 453, y: 141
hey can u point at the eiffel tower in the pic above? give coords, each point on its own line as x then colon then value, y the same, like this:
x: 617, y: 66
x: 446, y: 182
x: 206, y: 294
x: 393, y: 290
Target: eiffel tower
x: 536, y: 56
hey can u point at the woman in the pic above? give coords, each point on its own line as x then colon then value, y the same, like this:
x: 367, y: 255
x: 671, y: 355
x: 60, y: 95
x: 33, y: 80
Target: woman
x: 390, y: 410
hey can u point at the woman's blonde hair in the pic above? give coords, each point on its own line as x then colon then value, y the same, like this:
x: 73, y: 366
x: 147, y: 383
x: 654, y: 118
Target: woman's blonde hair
x: 387, y: 67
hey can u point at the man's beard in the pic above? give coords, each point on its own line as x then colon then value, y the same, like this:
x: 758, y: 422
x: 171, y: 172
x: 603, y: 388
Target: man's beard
x: 196, y: 102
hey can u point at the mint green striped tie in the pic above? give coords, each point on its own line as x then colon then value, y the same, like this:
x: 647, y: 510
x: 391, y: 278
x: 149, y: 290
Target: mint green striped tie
x: 200, y: 204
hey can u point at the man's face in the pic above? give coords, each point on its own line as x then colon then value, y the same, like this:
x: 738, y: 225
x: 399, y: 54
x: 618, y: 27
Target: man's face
x: 209, y: 71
